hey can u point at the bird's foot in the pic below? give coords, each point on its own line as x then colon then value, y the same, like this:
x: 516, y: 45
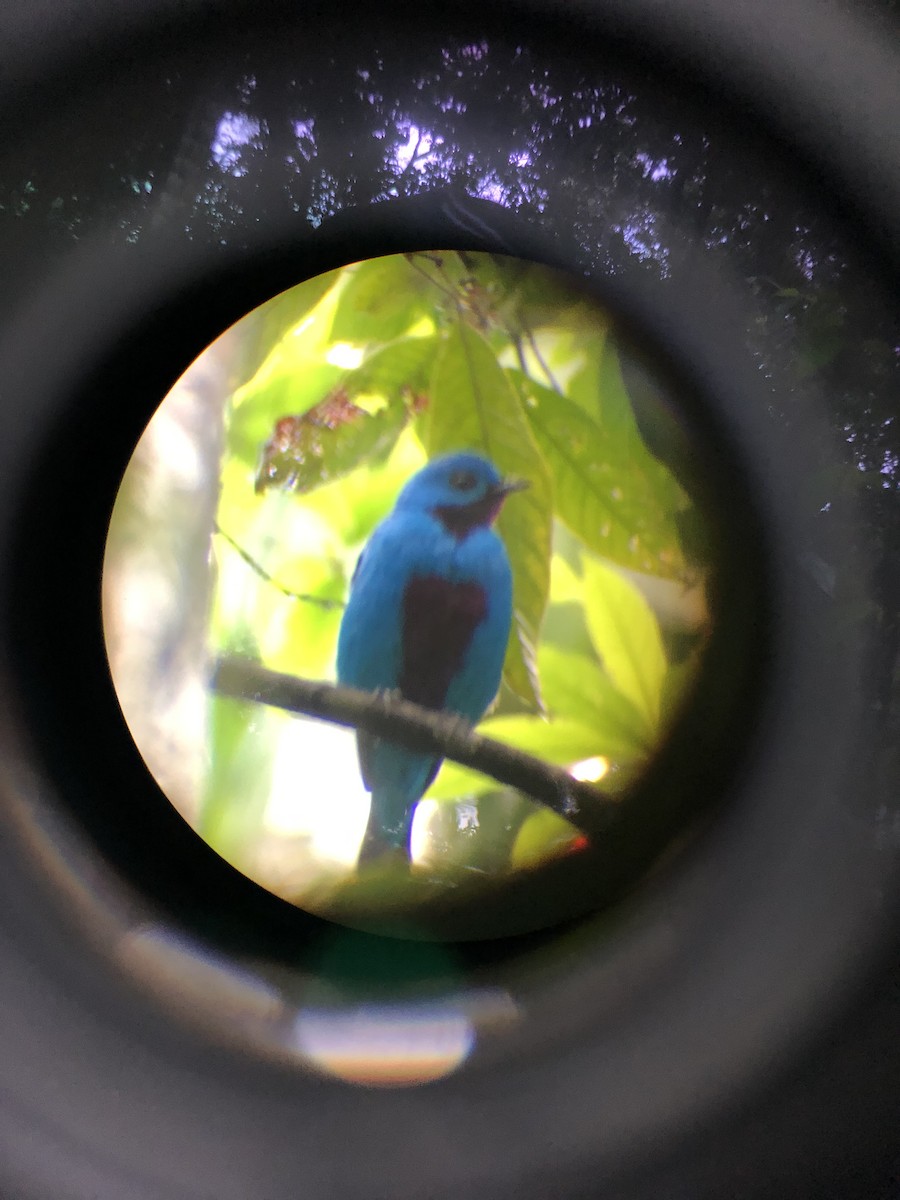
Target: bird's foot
x: 459, y: 727
x: 568, y: 804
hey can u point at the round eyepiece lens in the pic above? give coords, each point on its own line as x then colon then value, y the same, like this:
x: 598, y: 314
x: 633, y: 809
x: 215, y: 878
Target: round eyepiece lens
x: 405, y: 583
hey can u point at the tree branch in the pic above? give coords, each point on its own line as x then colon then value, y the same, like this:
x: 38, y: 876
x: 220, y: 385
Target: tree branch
x: 387, y: 715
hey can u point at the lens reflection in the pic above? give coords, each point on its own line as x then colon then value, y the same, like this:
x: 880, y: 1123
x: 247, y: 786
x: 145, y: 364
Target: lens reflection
x: 384, y: 1046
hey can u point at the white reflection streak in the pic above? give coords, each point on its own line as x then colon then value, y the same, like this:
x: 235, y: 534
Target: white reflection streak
x: 197, y: 978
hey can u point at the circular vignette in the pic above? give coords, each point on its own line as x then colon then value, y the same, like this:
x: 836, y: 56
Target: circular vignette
x: 480, y: 1158
x: 193, y: 888
x: 437, y: 906
x: 145, y: 843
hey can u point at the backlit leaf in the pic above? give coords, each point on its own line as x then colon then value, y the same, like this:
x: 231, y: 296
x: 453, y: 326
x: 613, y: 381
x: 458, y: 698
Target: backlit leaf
x: 626, y: 636
x: 562, y: 742
x: 609, y: 489
x: 327, y: 442
x: 544, y: 835
x: 380, y: 300
x: 576, y: 688
x: 473, y: 407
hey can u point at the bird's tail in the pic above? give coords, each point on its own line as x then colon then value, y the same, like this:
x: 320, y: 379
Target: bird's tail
x: 397, y: 778
x: 383, y: 838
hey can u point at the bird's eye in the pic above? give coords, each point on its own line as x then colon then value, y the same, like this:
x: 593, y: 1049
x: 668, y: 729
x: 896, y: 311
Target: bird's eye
x: 463, y: 481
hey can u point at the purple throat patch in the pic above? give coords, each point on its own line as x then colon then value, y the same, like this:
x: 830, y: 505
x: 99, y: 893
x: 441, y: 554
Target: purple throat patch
x: 461, y: 519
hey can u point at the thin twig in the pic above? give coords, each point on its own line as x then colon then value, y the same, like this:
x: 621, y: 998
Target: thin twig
x: 532, y: 341
x: 520, y: 355
x: 441, y: 287
x: 582, y: 803
x: 412, y: 158
x: 251, y: 562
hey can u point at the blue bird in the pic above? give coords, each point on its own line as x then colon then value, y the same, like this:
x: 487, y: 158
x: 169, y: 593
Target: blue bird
x: 428, y: 617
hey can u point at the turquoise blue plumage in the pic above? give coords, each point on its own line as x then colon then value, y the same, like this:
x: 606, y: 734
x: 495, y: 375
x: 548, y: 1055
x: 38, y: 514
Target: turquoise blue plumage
x: 428, y: 617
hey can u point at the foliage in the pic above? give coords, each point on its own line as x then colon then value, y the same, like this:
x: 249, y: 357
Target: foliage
x: 398, y: 360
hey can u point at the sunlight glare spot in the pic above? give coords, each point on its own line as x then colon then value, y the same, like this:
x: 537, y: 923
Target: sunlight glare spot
x: 590, y: 770
x: 345, y: 355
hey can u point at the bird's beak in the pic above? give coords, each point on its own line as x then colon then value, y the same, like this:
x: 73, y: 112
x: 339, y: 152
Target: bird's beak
x: 505, y: 486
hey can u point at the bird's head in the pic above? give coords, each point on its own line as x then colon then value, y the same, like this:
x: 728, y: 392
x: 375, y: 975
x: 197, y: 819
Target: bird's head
x: 462, y: 490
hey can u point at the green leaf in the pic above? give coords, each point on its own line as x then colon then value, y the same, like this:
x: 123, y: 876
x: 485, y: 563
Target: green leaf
x: 562, y: 742
x: 335, y: 436
x: 381, y: 299
x: 474, y: 408
x: 626, y: 636
x: 544, y: 835
x: 609, y: 490
x: 294, y: 377
x: 352, y: 506
x: 594, y: 377
x: 399, y: 367
x: 327, y: 442
x: 265, y: 326
x: 575, y: 687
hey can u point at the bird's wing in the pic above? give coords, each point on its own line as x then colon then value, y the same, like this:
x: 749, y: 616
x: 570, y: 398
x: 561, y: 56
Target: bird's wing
x: 359, y: 560
x: 368, y: 652
x: 438, y: 620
